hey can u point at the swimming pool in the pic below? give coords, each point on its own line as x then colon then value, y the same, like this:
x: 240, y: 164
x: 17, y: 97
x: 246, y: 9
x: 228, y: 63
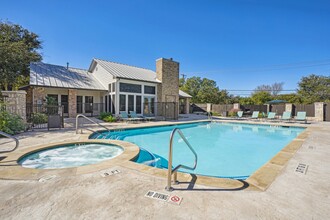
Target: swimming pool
x: 228, y: 150
x: 70, y: 155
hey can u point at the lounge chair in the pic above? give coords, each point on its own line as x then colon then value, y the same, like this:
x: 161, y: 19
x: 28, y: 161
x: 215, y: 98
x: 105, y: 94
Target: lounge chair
x: 286, y: 116
x: 271, y: 116
x: 135, y: 117
x: 240, y: 115
x: 301, y: 116
x: 124, y: 116
x: 255, y: 115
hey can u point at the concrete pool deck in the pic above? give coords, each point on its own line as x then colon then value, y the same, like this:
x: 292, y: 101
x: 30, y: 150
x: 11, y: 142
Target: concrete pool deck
x: 292, y: 195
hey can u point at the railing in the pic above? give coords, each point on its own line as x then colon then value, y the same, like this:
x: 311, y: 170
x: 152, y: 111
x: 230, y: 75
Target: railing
x: 77, y: 124
x: 11, y: 137
x: 170, y: 157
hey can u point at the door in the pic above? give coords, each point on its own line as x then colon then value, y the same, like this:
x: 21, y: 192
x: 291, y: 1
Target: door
x: 65, y: 103
x: 88, y: 104
x: 79, y: 104
x: 327, y: 112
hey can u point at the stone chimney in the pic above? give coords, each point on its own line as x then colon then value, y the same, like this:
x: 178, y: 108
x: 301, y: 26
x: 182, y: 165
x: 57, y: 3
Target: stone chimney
x: 167, y: 71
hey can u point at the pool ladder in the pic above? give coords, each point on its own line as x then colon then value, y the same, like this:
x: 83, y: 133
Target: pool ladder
x: 11, y: 137
x: 209, y: 117
x: 170, y: 157
x: 83, y: 116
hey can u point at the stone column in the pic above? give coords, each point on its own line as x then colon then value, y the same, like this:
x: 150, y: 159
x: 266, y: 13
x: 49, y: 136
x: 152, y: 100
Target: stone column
x: 319, y: 111
x: 72, y: 103
x: 237, y: 106
x: 208, y: 107
x: 16, y: 102
x: 288, y: 107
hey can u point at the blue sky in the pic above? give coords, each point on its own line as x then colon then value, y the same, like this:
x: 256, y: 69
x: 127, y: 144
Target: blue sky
x: 239, y: 44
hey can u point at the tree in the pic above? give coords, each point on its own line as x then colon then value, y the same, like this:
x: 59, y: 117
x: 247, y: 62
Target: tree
x: 260, y: 98
x: 314, y: 88
x: 291, y: 98
x: 204, y: 90
x: 18, y: 47
x: 273, y: 89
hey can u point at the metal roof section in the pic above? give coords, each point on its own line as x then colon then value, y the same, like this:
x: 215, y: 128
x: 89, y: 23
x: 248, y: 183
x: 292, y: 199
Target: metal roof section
x: 43, y: 74
x: 126, y: 71
x: 182, y: 94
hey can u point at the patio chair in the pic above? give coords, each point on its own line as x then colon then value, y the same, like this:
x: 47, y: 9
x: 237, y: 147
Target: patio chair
x: 301, y: 116
x: 286, y: 116
x: 271, y: 116
x: 124, y: 116
x: 255, y: 115
x: 240, y: 115
x: 135, y: 117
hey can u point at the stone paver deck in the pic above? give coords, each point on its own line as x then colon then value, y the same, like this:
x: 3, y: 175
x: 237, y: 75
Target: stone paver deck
x: 121, y: 196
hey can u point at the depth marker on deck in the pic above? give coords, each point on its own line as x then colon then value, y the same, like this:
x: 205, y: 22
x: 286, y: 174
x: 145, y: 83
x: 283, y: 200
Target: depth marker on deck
x: 106, y: 173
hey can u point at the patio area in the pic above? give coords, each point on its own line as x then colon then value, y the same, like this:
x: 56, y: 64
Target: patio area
x: 122, y: 196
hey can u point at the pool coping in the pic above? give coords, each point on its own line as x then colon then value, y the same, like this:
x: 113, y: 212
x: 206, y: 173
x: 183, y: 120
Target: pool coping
x: 258, y: 181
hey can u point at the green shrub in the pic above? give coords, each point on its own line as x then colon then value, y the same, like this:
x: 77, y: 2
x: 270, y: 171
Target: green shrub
x: 104, y: 115
x: 11, y: 123
x: 110, y: 118
x: 215, y: 114
x: 39, y: 118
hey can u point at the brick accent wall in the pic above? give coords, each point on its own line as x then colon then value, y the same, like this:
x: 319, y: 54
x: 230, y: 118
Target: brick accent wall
x: 72, y: 103
x: 167, y: 71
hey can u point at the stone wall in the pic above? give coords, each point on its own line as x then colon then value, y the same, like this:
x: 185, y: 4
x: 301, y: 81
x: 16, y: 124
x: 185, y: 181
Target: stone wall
x: 319, y: 111
x: 39, y: 95
x: 15, y: 102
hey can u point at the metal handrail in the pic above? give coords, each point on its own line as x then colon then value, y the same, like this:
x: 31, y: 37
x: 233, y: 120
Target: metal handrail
x: 77, y: 124
x: 170, y: 157
x: 11, y: 137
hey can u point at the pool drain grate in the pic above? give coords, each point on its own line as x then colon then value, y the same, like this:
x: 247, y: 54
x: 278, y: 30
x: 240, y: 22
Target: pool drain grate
x: 301, y: 168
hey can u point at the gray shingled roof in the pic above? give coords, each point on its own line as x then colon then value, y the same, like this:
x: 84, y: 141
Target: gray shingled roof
x: 128, y: 72
x: 43, y: 74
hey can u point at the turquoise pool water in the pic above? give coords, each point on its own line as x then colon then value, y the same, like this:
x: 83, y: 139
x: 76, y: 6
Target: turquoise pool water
x: 224, y: 149
x: 73, y: 155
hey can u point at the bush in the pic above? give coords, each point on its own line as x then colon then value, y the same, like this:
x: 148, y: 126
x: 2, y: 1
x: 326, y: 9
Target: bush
x: 215, y: 114
x: 110, y: 118
x: 104, y: 115
x: 39, y: 118
x: 11, y: 123
x: 233, y: 112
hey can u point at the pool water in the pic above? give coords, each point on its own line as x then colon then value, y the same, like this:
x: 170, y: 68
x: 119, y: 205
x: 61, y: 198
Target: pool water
x: 73, y: 155
x: 227, y: 150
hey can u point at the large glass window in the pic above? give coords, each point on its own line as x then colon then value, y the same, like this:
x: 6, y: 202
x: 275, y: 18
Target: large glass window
x: 149, y: 89
x: 54, y: 99
x: 122, y: 102
x: 106, y: 103
x: 130, y: 103
x: 109, y: 105
x: 127, y: 87
x: 149, y: 106
x: 138, y: 104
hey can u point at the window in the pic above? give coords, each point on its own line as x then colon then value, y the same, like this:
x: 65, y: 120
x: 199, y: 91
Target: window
x: 127, y: 87
x: 109, y: 104
x: 130, y: 103
x: 122, y: 102
x: 109, y: 88
x: 54, y: 99
x: 113, y: 110
x: 88, y: 104
x: 106, y: 103
x: 79, y: 104
x: 138, y: 104
x: 149, y: 90
x: 65, y: 103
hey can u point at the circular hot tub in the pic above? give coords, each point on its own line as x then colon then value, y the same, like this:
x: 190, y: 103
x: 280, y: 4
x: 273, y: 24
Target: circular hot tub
x: 70, y: 155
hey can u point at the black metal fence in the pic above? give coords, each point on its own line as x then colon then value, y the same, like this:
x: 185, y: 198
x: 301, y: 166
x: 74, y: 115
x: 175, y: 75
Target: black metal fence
x: 37, y: 115
x: 162, y: 110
